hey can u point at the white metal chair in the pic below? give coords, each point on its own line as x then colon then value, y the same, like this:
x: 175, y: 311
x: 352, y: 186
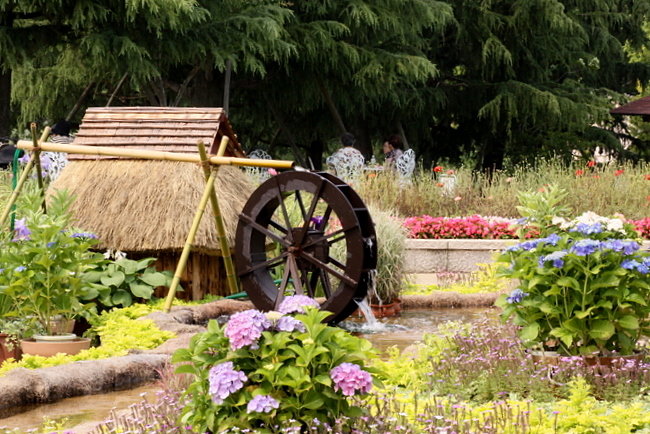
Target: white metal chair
x: 258, y: 174
x: 405, y: 165
x: 348, y: 163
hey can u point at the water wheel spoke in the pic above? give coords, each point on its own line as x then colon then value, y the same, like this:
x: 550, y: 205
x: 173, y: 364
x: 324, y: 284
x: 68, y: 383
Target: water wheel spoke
x: 269, y: 263
x: 323, y: 266
x: 295, y: 274
x: 309, y: 214
x: 285, y: 212
x: 258, y: 227
x: 278, y: 226
x: 329, y: 237
x: 283, y: 287
x: 326, y: 218
x: 325, y: 281
x: 336, y: 262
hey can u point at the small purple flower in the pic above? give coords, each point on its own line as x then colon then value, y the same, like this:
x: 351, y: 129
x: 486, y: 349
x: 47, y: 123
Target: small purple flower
x: 20, y: 268
x: 24, y: 159
x: 262, y: 404
x: 349, y: 377
x: 289, y: 324
x: 245, y: 328
x: 84, y: 235
x: 516, y: 296
x: 317, y: 221
x: 224, y: 380
x: 22, y: 231
x: 296, y: 303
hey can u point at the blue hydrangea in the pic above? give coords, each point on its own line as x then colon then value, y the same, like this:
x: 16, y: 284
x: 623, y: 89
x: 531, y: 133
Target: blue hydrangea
x: 588, y: 229
x: 516, y: 296
x: 641, y: 267
x: 555, y: 257
x: 552, y: 239
x: 585, y: 247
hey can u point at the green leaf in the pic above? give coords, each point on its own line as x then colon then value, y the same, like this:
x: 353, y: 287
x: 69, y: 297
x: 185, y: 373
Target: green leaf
x: 116, y: 279
x: 141, y: 291
x: 529, y: 332
x: 154, y: 279
x: 629, y: 322
x: 601, y: 329
x: 121, y: 297
x: 569, y: 282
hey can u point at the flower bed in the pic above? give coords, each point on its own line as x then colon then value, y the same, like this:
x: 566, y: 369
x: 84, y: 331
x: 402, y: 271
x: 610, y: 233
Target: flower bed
x: 479, y: 227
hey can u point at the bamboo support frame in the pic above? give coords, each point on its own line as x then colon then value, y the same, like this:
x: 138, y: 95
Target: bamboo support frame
x: 209, y: 189
x: 231, y: 275
x: 23, y: 178
x: 208, y: 193
x: 154, y: 155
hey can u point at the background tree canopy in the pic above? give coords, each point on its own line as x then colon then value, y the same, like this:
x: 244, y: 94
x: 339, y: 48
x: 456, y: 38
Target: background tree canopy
x: 493, y: 81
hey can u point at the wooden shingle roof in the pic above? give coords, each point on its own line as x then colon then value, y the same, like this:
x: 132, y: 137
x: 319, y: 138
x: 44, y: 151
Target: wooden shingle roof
x: 640, y: 107
x: 167, y: 129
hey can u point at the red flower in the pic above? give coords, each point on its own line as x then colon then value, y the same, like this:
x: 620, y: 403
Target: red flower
x: 450, y: 172
x: 647, y: 177
x: 592, y: 163
x: 596, y: 176
x: 437, y: 169
x: 580, y: 172
x: 618, y: 172
x: 440, y: 184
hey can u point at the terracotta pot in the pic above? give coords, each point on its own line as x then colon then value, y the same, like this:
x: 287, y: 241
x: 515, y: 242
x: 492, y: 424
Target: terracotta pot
x: 383, y: 310
x: 5, y: 352
x: 47, y: 349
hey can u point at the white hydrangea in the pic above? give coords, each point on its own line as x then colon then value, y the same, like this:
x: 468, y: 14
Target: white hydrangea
x: 591, y: 218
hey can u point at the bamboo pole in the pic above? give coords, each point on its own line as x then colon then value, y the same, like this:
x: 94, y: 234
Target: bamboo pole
x: 231, y: 276
x: 23, y: 177
x: 180, y: 267
x: 36, y: 156
x: 154, y: 155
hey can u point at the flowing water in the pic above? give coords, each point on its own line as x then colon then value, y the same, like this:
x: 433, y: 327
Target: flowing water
x: 401, y: 331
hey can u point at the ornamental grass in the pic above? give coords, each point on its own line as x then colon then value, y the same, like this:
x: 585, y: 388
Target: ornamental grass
x: 603, y: 189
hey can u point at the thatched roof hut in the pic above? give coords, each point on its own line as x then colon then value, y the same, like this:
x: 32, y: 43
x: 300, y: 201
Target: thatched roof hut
x: 146, y: 207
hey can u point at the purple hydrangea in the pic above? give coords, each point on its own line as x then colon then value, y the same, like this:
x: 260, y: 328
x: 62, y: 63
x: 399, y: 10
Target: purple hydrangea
x: 516, y: 296
x: 296, y: 304
x: 245, y: 328
x: 22, y: 231
x: 551, y: 239
x: 588, y: 229
x: 224, y: 380
x: 641, y: 267
x: 262, y: 404
x: 20, y: 268
x: 289, y: 324
x: 349, y: 378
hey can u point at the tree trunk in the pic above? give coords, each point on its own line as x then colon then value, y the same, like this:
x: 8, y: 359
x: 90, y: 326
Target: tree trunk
x: 315, y: 153
x: 5, y: 103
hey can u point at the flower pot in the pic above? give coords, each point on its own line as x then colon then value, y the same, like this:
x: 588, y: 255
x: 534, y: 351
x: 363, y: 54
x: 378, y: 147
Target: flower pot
x: 5, y: 352
x: 50, y: 348
x: 383, y: 310
x: 61, y: 325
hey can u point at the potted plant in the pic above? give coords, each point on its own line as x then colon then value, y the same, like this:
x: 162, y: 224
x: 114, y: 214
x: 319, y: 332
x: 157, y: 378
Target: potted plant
x: 583, y: 284
x: 43, y: 266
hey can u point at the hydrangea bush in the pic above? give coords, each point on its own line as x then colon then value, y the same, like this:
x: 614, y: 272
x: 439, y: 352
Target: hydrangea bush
x: 273, y: 371
x: 583, y: 289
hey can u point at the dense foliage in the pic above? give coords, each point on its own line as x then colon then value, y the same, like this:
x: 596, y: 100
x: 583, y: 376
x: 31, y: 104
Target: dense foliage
x: 498, y: 81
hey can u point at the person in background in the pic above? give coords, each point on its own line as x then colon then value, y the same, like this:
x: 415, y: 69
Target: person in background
x: 346, y: 154
x: 60, y: 132
x: 392, y: 150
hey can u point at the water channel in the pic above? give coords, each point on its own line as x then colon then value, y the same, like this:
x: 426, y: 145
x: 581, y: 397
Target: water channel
x: 401, y: 331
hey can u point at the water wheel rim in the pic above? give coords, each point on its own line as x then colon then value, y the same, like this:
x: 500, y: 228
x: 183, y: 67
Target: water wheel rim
x: 257, y: 226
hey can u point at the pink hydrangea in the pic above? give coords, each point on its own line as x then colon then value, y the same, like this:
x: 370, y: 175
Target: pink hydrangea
x: 349, y: 378
x: 245, y: 328
x: 262, y: 404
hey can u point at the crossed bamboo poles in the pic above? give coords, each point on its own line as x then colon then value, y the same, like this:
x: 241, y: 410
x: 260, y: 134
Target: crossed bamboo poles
x: 210, y: 166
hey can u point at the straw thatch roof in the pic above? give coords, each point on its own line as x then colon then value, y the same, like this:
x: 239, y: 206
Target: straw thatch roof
x: 136, y: 205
